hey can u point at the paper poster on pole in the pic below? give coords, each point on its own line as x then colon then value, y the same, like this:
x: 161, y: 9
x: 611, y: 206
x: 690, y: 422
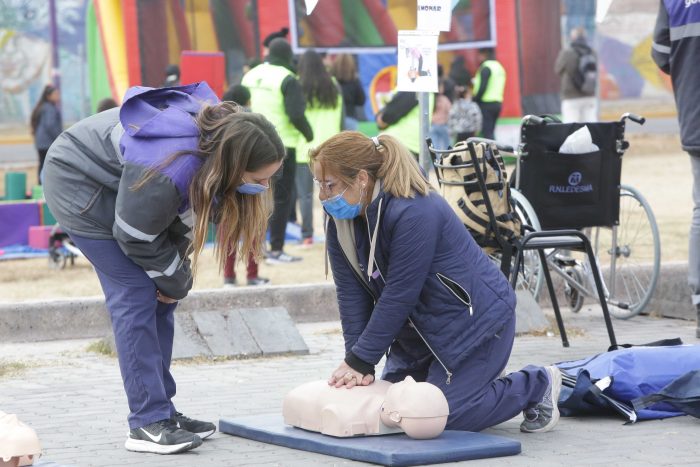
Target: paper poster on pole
x: 417, y: 61
x: 310, y: 5
x: 434, y: 15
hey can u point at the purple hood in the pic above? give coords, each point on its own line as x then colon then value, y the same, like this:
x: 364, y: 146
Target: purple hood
x: 161, y: 121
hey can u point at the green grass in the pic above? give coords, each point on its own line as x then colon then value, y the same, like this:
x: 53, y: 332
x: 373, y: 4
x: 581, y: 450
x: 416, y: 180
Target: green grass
x: 11, y: 368
x: 101, y: 347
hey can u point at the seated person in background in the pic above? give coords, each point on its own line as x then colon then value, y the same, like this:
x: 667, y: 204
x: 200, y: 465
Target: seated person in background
x: 19, y: 444
x: 419, y: 409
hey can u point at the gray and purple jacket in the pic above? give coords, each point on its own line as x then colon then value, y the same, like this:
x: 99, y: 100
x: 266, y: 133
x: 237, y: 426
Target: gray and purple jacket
x: 676, y: 51
x: 94, y: 165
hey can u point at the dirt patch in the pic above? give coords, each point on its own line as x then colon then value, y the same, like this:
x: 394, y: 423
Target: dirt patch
x: 660, y: 172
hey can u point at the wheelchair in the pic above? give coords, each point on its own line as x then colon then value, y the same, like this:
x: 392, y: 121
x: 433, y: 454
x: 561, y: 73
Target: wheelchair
x: 584, y: 191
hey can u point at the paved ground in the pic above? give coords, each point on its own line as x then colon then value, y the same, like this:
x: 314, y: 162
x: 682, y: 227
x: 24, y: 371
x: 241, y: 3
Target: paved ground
x: 74, y: 400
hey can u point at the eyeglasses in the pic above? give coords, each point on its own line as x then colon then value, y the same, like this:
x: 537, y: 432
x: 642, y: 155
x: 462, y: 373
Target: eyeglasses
x: 325, y: 186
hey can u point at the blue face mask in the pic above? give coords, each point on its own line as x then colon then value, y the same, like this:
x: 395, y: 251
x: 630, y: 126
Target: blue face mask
x: 251, y: 188
x: 339, y: 208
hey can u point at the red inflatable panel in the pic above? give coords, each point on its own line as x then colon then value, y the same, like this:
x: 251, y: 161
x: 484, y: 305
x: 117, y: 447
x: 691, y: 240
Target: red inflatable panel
x: 203, y: 66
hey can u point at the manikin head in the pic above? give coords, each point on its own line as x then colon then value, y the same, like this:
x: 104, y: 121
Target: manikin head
x: 420, y: 409
x: 17, y: 440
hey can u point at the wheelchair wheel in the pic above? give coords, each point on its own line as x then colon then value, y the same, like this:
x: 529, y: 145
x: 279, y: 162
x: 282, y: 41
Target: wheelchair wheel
x: 531, y: 276
x: 574, y: 298
x: 636, y: 254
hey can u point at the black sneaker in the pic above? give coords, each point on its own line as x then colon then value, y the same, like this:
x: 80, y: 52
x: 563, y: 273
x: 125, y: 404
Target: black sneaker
x: 201, y: 429
x: 163, y: 437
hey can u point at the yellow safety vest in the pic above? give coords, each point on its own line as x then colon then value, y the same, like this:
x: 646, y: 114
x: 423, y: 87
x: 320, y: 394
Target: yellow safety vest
x: 407, y: 130
x: 497, y: 81
x: 325, y: 121
x: 265, y: 85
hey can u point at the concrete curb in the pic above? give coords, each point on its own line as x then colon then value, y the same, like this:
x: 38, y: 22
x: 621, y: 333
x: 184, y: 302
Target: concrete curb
x: 87, y: 317
x: 671, y: 298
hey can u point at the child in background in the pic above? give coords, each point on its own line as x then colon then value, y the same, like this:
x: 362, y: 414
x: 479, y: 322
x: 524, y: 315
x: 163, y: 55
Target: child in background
x: 240, y: 95
x: 438, y: 128
x: 465, y: 118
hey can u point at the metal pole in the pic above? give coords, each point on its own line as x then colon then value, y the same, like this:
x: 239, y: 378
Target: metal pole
x: 255, y: 19
x: 55, y: 66
x: 424, y: 129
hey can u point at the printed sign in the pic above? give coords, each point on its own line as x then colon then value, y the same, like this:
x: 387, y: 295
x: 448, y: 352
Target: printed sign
x: 434, y: 15
x: 417, y: 61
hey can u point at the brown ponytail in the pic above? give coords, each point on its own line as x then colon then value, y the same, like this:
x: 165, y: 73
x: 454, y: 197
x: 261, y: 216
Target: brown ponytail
x: 231, y: 142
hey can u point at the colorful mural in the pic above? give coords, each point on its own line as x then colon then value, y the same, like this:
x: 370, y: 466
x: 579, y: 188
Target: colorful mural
x: 25, y: 58
x: 623, y: 40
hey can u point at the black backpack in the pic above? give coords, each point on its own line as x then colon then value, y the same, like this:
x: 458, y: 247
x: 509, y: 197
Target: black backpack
x: 586, y: 75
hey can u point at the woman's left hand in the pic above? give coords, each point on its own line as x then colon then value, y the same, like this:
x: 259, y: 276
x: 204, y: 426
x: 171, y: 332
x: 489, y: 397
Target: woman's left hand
x: 346, y: 376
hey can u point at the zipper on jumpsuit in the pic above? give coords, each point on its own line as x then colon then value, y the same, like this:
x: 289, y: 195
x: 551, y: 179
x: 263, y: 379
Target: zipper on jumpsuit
x: 370, y: 266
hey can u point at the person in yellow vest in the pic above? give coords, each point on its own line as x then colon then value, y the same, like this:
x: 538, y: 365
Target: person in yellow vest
x: 324, y: 111
x: 276, y: 93
x: 400, y: 118
x: 489, y: 85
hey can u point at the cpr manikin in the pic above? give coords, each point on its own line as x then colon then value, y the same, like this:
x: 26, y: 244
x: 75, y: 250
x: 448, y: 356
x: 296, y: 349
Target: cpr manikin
x: 418, y: 409
x: 19, y: 444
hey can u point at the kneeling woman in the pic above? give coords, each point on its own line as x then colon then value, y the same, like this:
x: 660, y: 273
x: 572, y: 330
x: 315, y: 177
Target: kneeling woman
x: 411, y: 281
x: 136, y: 188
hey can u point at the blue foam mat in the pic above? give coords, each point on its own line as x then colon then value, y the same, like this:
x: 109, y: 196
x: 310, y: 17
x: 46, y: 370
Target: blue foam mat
x: 398, y: 450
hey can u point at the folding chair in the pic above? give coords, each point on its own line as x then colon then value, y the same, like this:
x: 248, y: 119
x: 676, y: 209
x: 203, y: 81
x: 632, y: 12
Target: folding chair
x: 570, y: 239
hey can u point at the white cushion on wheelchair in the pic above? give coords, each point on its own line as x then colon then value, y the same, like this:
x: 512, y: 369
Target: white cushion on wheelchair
x: 398, y: 450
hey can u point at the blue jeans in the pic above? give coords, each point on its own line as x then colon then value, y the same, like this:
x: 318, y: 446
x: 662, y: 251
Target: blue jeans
x: 440, y: 136
x: 143, y: 330
x: 350, y: 124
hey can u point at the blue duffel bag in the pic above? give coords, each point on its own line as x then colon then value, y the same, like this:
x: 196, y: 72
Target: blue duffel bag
x: 639, y: 383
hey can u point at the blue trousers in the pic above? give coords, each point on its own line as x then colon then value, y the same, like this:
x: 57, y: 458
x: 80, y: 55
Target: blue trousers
x: 477, y: 397
x: 143, y: 330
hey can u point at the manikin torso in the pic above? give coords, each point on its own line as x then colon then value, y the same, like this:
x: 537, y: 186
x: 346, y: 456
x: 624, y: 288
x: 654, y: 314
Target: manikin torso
x: 419, y: 409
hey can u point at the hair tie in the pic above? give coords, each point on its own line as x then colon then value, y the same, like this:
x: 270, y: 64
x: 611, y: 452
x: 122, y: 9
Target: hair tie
x: 375, y: 140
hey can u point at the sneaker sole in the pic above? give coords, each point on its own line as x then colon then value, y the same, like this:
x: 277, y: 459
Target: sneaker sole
x: 273, y: 262
x: 555, y: 375
x: 139, y: 445
x: 206, y: 434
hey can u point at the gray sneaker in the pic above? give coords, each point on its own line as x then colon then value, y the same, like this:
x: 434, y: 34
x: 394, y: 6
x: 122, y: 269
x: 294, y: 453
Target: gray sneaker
x: 545, y: 415
x: 280, y: 257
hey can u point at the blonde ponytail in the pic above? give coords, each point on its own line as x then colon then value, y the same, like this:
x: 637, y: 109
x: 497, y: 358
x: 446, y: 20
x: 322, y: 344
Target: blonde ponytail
x: 383, y: 157
x: 400, y: 172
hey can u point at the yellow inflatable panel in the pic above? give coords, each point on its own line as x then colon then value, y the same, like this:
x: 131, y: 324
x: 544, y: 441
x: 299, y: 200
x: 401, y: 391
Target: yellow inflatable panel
x: 201, y: 26
x: 110, y: 19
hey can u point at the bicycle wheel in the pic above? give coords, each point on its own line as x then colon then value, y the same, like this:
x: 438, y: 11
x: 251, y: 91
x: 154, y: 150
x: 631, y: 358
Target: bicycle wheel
x: 530, y: 277
x: 636, y: 256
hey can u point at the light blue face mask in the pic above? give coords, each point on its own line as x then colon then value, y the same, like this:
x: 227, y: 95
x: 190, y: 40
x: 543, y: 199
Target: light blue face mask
x: 339, y: 208
x: 251, y: 188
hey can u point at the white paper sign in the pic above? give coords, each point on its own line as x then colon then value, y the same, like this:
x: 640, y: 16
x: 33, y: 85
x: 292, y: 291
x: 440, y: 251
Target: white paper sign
x: 417, y: 61
x: 310, y: 5
x: 434, y: 15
